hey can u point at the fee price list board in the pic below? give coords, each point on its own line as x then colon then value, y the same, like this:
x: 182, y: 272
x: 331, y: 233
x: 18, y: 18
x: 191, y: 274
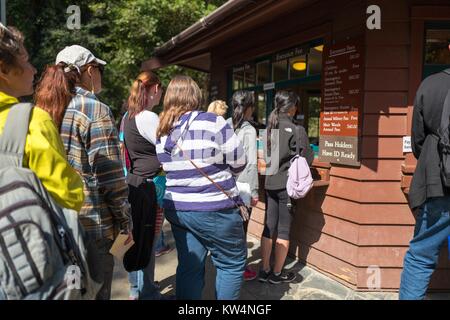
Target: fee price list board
x: 342, y: 98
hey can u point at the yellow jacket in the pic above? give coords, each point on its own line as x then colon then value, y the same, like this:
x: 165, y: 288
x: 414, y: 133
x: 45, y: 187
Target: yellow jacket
x: 46, y: 157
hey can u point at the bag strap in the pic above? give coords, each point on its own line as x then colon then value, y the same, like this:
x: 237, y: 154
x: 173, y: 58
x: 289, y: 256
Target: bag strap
x: 297, y: 140
x: 13, y: 139
x: 207, y: 176
x: 197, y: 167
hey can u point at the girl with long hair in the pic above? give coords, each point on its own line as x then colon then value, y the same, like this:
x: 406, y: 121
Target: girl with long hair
x: 201, y: 155
x: 139, y: 133
x: 243, y: 103
x: 278, y: 217
x: 67, y: 90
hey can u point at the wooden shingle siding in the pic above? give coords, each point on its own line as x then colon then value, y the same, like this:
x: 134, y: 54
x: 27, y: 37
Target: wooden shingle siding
x: 382, y: 102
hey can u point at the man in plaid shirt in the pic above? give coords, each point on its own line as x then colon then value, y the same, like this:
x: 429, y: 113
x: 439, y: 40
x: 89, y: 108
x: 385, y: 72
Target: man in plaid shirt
x: 91, y: 141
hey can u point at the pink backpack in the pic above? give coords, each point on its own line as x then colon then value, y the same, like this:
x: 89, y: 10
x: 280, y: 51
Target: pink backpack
x: 300, y: 180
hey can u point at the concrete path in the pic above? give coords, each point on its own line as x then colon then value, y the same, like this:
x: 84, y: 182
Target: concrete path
x: 309, y: 284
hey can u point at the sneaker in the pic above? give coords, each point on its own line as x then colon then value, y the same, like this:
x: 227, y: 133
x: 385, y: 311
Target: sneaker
x: 249, y: 274
x: 282, y: 277
x: 164, y: 250
x: 264, y: 276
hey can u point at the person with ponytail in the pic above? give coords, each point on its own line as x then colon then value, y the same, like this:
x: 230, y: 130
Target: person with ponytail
x: 243, y: 103
x: 139, y: 134
x: 67, y: 90
x: 44, y: 152
x: 277, y: 223
x: 201, y: 156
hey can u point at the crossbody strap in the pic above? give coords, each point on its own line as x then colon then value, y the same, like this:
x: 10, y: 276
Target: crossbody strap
x: 188, y: 123
x: 206, y: 176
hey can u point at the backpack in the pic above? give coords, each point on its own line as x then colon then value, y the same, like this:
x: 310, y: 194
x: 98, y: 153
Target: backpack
x: 43, y: 252
x: 444, y: 140
x: 300, y: 180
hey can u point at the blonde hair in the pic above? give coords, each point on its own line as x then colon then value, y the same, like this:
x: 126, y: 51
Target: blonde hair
x: 182, y: 95
x: 218, y: 107
x: 139, y: 92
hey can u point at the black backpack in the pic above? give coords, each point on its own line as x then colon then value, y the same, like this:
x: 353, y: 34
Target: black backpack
x: 444, y: 140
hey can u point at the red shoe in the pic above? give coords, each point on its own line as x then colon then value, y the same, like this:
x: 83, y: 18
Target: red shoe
x: 249, y: 274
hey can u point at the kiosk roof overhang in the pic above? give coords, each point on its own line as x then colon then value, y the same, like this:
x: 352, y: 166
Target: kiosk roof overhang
x: 192, y: 47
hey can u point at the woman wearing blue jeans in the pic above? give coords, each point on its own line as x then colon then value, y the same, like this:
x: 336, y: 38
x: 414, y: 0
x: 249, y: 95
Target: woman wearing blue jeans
x: 203, y: 218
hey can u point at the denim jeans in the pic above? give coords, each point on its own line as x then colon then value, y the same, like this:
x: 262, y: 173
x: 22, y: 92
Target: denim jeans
x: 432, y: 229
x: 142, y: 282
x: 222, y: 234
x: 161, y: 243
x: 107, y: 266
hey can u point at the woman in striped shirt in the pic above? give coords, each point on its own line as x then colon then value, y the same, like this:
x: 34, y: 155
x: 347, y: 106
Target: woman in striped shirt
x: 192, y: 144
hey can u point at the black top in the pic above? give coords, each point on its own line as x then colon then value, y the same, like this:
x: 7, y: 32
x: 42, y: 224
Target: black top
x: 142, y: 153
x: 428, y: 107
x: 288, y: 138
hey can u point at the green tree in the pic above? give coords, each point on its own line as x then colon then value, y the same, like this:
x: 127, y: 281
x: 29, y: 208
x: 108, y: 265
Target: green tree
x: 122, y: 32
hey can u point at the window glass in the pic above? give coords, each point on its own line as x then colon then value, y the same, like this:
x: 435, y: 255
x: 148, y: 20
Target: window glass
x: 238, y: 78
x: 280, y: 70
x: 263, y: 72
x: 315, y: 60
x: 249, y: 76
x: 261, y: 108
x: 437, y: 55
x: 313, y: 119
x: 436, y: 50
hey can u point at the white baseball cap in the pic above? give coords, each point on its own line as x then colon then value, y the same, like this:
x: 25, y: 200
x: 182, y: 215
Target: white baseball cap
x: 78, y: 56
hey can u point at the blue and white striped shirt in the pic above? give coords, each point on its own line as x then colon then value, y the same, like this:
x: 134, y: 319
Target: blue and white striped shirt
x: 210, y: 142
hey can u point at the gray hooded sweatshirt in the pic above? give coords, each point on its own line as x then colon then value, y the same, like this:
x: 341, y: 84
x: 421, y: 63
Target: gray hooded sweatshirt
x: 247, y: 136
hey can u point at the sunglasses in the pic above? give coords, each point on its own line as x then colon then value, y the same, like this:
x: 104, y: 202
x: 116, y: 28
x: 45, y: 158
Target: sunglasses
x: 101, y: 68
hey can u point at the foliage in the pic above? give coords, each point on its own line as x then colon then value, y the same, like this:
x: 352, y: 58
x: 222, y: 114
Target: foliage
x: 122, y: 32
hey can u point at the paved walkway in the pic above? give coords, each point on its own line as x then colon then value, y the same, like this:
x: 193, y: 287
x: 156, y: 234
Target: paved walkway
x: 309, y: 285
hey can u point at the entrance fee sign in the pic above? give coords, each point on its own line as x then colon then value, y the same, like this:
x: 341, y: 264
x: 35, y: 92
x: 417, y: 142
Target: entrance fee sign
x: 342, y: 97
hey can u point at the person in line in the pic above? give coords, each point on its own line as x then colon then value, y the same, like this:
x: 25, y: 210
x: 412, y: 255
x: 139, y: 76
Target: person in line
x: 139, y: 133
x: 201, y: 154
x: 243, y: 103
x: 427, y: 196
x: 218, y: 107
x: 44, y: 151
x: 67, y: 90
x: 278, y: 217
